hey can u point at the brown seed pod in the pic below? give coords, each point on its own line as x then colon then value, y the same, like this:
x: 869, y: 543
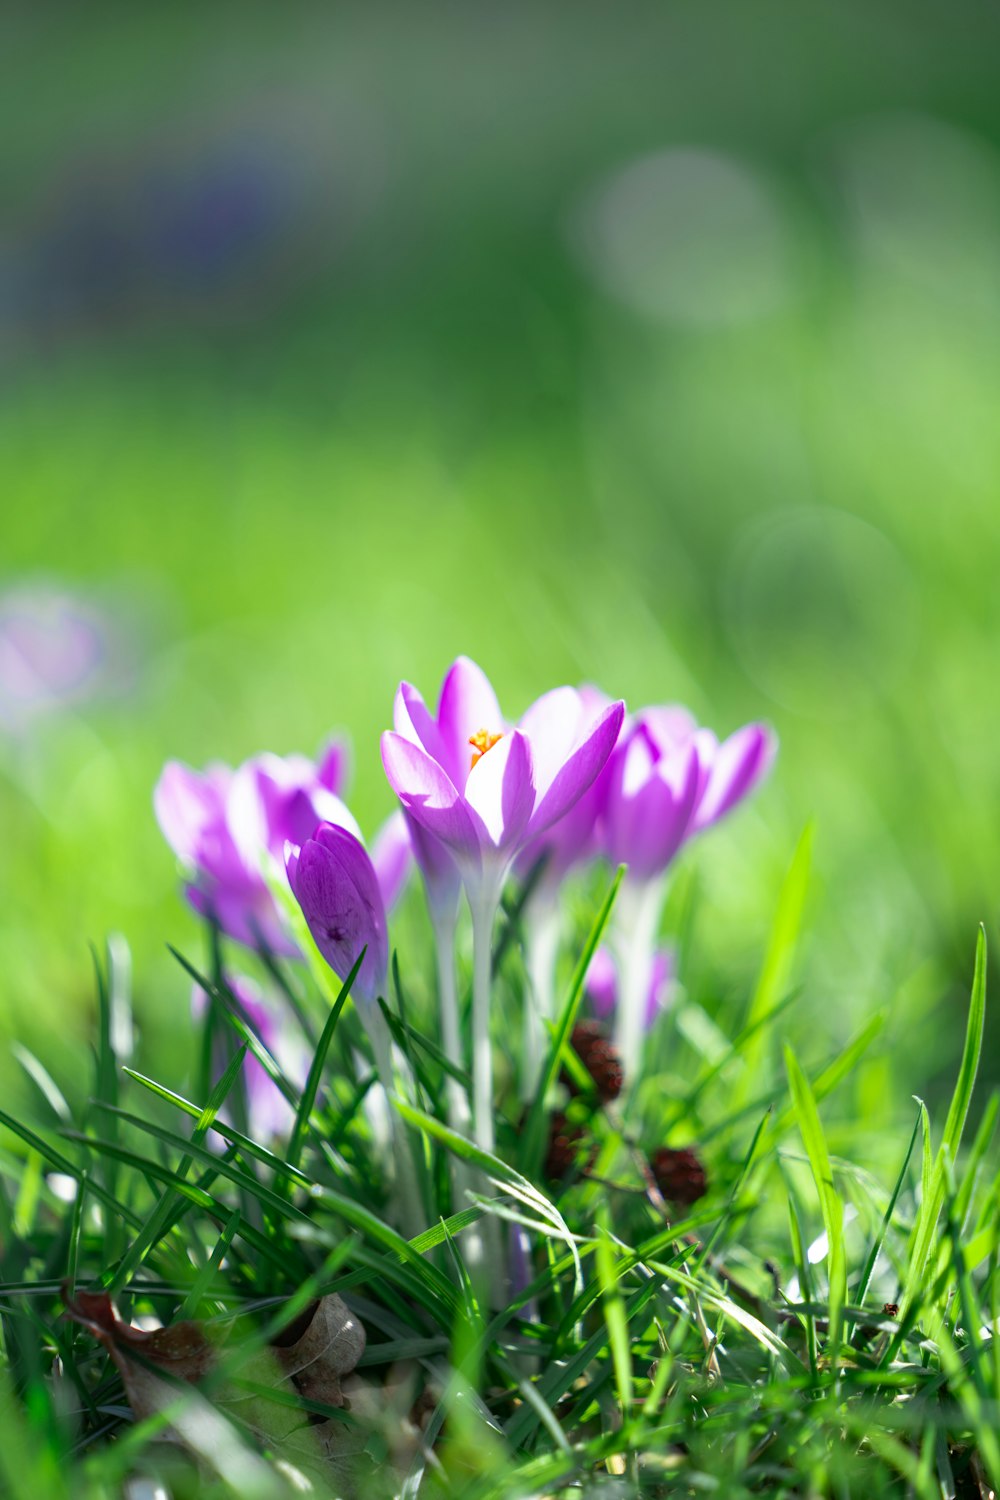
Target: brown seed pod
x: 679, y: 1175
x: 591, y: 1045
x: 564, y: 1144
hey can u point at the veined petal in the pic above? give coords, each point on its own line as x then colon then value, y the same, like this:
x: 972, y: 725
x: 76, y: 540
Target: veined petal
x: 442, y: 880
x: 246, y: 815
x: 467, y: 704
x: 501, y: 789
x: 740, y: 763
x: 337, y: 889
x: 580, y: 770
x: 187, y: 803
x: 428, y: 794
x: 334, y: 766
x: 412, y: 719
x: 552, y: 724
x: 668, y: 726
x: 646, y: 823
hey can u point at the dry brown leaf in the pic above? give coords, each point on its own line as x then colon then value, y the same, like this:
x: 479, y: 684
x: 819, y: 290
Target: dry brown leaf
x: 320, y: 1347
x: 183, y: 1351
x: 310, y: 1358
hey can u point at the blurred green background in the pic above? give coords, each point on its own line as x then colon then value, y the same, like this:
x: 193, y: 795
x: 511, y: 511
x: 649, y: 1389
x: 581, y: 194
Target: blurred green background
x: 657, y: 345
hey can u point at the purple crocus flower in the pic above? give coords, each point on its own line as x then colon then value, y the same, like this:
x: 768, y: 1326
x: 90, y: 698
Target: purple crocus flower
x: 482, y: 787
x: 227, y: 827
x: 667, y: 780
x: 270, y: 1114
x: 334, y: 881
x: 56, y: 650
x: 602, y: 984
x: 485, y: 789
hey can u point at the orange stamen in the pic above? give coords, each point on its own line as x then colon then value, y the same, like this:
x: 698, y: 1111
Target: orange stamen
x: 482, y: 741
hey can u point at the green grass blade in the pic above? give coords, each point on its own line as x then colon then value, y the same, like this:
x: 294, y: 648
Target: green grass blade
x: 308, y: 1100
x: 831, y: 1205
x: 534, y: 1131
x: 776, y: 971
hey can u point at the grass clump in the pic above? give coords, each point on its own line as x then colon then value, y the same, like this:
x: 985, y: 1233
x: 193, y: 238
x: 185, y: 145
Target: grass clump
x: 798, y: 1328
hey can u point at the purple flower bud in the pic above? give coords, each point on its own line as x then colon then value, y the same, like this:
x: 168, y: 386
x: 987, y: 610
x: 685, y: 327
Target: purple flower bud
x: 334, y: 882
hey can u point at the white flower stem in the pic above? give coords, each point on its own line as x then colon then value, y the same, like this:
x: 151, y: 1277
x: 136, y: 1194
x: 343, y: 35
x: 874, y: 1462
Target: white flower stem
x: 640, y: 904
x: 459, y: 1114
x: 542, y: 927
x: 483, y: 1247
x: 412, y: 1219
x: 483, y: 906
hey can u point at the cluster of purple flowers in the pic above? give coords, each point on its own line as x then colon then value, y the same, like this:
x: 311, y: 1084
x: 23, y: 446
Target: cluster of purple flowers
x: 573, y: 780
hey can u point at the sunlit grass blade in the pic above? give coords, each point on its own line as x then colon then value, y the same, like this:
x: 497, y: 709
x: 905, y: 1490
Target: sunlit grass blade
x: 776, y: 971
x: 831, y: 1205
x: 147, y: 1238
x: 533, y: 1135
x: 875, y: 1249
x: 925, y: 1228
x: 613, y: 1308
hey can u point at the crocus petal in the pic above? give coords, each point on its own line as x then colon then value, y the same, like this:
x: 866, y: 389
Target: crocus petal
x: 570, y: 840
x: 580, y: 771
x: 246, y: 912
x: 501, y: 789
x: 186, y: 803
x: 392, y: 856
x: 412, y: 719
x: 442, y: 880
x: 669, y: 726
x: 467, y: 704
x: 334, y: 766
x: 740, y: 764
x: 275, y: 799
x: 429, y: 796
x: 647, y: 816
x: 552, y: 724
x: 337, y: 889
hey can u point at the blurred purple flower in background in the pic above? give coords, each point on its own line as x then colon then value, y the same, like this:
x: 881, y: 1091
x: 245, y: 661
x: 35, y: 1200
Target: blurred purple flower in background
x: 55, y: 651
x: 227, y: 827
x: 602, y: 984
x: 269, y: 1113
